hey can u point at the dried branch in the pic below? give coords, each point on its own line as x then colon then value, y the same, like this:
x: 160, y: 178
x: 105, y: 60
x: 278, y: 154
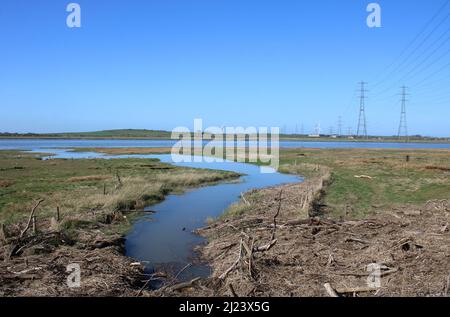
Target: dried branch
x: 233, y: 293
x: 180, y: 286
x: 331, y: 292
x: 30, y: 218
x: 233, y: 266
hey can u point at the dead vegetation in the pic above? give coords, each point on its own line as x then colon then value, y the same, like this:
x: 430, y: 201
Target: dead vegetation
x: 89, y: 178
x: 275, y: 242
x: 5, y: 184
x: 35, y: 263
x: 80, y: 220
x: 279, y: 248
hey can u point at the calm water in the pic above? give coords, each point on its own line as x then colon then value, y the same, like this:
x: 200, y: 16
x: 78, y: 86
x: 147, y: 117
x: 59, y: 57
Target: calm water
x: 34, y: 144
x: 164, y: 240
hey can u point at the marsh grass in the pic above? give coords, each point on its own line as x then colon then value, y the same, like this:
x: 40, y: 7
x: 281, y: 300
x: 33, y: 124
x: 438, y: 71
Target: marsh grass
x: 88, y: 190
x: 394, y: 180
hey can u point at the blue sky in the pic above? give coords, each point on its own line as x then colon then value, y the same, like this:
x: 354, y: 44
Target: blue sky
x: 159, y: 64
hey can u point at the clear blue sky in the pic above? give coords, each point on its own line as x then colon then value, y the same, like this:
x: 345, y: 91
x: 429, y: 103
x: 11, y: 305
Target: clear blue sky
x: 158, y: 64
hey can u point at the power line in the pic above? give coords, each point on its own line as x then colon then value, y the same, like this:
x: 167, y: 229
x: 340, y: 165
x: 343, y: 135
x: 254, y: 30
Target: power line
x: 362, y: 124
x: 404, y: 65
x: 438, y: 12
x: 403, y: 126
x: 339, y: 131
x: 349, y: 131
x: 420, y: 83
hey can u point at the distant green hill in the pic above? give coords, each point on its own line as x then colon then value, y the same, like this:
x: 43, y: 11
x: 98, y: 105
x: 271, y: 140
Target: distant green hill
x: 122, y: 133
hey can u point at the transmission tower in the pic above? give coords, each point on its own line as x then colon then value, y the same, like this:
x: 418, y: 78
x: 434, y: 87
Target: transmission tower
x: 331, y: 130
x: 349, y: 131
x: 339, y: 132
x: 403, y: 127
x: 362, y: 124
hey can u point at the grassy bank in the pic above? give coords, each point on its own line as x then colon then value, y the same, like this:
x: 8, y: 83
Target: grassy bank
x: 365, y: 181
x: 82, y: 208
x: 272, y: 244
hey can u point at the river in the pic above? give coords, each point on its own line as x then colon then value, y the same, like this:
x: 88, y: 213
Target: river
x: 165, y: 238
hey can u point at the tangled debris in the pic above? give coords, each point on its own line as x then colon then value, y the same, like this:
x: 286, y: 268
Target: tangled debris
x: 279, y: 247
x: 37, y: 263
x: 323, y: 257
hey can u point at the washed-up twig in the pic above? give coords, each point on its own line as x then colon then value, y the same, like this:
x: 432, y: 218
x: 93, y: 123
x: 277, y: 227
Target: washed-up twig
x: 356, y: 240
x: 232, y: 267
x: 30, y: 219
x: 265, y: 247
x: 363, y: 176
x: 447, y: 286
x: 182, y: 285
x: 351, y: 290
x: 231, y: 288
x: 276, y: 215
x: 182, y: 270
x: 331, y: 292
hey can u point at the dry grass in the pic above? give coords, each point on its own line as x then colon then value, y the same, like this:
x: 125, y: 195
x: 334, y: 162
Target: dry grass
x: 5, y: 184
x: 89, y: 178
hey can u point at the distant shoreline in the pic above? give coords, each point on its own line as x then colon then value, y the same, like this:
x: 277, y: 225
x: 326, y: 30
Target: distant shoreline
x: 310, y: 140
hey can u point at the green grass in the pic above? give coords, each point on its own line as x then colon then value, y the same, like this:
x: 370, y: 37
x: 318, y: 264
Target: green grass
x: 77, y: 186
x: 394, y: 182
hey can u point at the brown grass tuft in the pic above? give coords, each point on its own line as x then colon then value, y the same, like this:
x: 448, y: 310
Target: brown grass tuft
x: 5, y: 184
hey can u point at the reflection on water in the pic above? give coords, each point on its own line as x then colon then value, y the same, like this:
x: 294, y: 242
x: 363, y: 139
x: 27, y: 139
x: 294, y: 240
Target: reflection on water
x: 166, y: 237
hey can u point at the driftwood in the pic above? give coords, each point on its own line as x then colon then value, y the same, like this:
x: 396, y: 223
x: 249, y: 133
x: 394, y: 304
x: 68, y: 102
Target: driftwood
x: 363, y: 176
x: 231, y: 268
x: 183, y: 285
x: 447, y: 286
x: 276, y: 215
x: 351, y: 290
x: 30, y: 219
x: 356, y: 240
x: 231, y: 288
x: 250, y: 250
x: 331, y: 292
x: 265, y: 247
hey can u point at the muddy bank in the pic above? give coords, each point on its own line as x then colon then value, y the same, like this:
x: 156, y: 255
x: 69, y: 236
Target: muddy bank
x: 276, y: 248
